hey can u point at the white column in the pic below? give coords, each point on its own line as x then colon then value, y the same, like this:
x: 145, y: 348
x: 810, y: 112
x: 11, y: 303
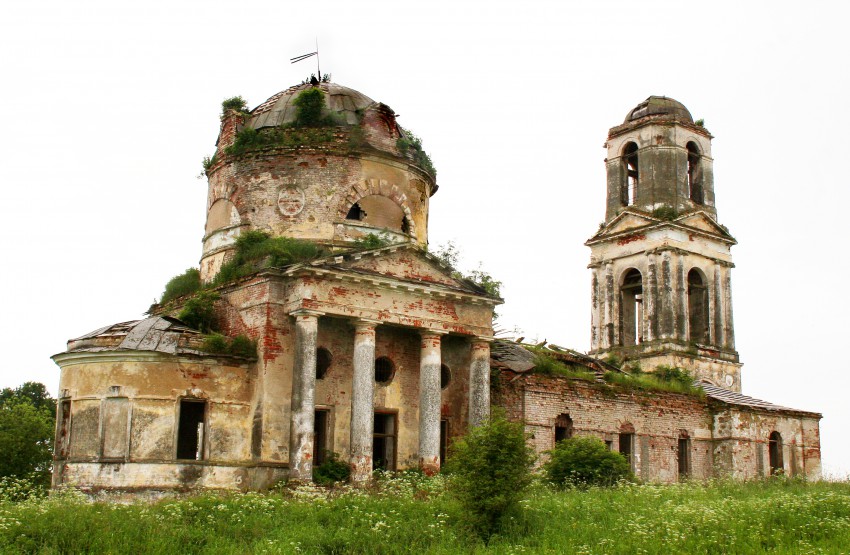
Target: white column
x: 363, y: 401
x: 430, y: 397
x: 303, y: 406
x: 479, y: 381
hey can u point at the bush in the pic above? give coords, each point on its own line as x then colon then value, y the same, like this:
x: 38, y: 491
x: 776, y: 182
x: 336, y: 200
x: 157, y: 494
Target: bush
x: 490, y: 470
x: 199, y: 311
x: 185, y: 284
x: 331, y: 471
x: 27, y: 419
x: 585, y: 461
x: 371, y: 241
x: 308, y: 107
x: 234, y: 103
x: 240, y: 345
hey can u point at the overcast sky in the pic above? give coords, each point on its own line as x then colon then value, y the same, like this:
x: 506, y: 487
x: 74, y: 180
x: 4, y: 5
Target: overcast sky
x: 109, y: 108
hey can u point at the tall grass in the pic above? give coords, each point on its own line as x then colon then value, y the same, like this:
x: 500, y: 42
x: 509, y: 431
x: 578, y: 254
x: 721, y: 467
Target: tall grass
x: 414, y: 514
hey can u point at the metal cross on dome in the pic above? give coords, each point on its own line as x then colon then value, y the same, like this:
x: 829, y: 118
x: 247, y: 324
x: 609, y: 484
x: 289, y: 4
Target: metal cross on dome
x: 310, y: 55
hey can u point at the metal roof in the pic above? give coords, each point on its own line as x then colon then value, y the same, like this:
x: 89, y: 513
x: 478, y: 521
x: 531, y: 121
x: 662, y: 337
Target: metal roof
x: 733, y: 398
x: 659, y: 105
x: 157, y: 333
x: 279, y: 109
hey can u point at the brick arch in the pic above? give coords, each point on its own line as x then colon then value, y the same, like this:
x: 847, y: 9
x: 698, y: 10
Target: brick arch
x: 379, y: 187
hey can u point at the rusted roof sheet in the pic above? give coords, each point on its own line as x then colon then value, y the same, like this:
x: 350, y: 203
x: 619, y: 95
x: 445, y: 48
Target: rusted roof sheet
x: 157, y: 333
x: 738, y: 399
x: 512, y: 356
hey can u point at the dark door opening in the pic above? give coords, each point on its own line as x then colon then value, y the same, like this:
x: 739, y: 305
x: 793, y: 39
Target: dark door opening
x: 626, y: 441
x: 320, y: 436
x: 684, y: 457
x: 190, y: 429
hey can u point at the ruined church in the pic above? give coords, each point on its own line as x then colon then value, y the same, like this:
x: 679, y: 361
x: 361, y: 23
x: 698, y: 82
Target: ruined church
x: 380, y: 352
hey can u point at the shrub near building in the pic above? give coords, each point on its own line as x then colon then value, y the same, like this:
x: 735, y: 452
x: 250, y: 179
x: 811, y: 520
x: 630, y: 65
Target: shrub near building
x: 585, y: 461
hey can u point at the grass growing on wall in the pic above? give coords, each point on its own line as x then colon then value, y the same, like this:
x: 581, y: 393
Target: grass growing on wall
x: 414, y: 514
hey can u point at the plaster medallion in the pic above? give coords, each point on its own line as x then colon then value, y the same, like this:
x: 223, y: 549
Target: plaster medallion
x: 729, y: 380
x: 290, y: 201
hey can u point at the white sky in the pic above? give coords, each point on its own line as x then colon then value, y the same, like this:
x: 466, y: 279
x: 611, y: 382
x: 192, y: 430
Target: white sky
x: 109, y: 107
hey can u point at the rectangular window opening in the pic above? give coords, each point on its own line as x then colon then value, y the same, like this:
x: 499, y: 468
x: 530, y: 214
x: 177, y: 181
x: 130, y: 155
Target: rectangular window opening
x: 191, y: 429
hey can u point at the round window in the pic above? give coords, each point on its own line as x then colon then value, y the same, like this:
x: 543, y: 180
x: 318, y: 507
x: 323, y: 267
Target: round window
x: 445, y: 376
x: 323, y: 362
x: 384, y: 370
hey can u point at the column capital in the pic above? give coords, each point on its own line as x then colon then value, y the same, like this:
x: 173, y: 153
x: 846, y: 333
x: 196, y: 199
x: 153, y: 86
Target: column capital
x: 365, y: 323
x: 481, y: 339
x: 424, y: 332
x: 305, y: 312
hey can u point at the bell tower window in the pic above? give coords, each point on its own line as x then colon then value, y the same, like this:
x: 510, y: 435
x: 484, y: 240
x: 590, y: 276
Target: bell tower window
x: 697, y: 307
x: 695, y: 173
x: 628, y: 193
x: 631, y: 308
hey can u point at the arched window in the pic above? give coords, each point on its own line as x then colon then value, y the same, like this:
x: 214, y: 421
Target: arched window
x: 628, y: 193
x: 697, y: 307
x: 631, y: 308
x: 774, y: 449
x: 563, y: 427
x: 379, y: 211
x: 695, y: 173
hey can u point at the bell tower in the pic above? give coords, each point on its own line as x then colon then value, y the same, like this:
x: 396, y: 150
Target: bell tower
x: 661, y: 263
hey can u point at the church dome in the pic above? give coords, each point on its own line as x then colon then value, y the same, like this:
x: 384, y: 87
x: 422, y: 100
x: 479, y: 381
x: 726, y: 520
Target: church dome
x: 659, y: 106
x: 279, y: 109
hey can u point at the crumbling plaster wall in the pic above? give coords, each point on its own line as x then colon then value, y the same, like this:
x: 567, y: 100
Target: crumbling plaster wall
x: 134, y: 447
x: 742, y: 439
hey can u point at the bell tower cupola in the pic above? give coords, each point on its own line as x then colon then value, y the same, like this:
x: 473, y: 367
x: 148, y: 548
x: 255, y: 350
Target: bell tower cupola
x: 661, y: 285
x: 659, y: 159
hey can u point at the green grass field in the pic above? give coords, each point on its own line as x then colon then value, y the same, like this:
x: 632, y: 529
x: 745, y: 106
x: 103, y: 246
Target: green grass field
x: 413, y: 514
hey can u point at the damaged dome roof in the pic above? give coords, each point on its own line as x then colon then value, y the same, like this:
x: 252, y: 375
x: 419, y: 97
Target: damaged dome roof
x: 657, y: 106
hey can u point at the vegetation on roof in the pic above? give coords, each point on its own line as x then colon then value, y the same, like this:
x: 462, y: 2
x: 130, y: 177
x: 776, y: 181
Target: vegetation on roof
x: 257, y: 250
x: 548, y: 365
x: 663, y: 378
x: 186, y: 283
x: 371, y: 241
x: 410, y: 144
x: 234, y: 103
x: 240, y: 346
x: 665, y: 212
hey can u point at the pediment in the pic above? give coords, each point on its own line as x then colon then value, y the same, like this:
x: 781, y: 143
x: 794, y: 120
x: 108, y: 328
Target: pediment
x: 699, y: 220
x: 406, y: 263
x: 627, y: 221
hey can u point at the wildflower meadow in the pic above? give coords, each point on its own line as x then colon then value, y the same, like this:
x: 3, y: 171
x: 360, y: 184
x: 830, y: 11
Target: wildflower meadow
x: 411, y: 513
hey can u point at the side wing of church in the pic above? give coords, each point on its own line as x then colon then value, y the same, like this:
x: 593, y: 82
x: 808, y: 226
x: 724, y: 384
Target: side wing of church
x: 381, y: 353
